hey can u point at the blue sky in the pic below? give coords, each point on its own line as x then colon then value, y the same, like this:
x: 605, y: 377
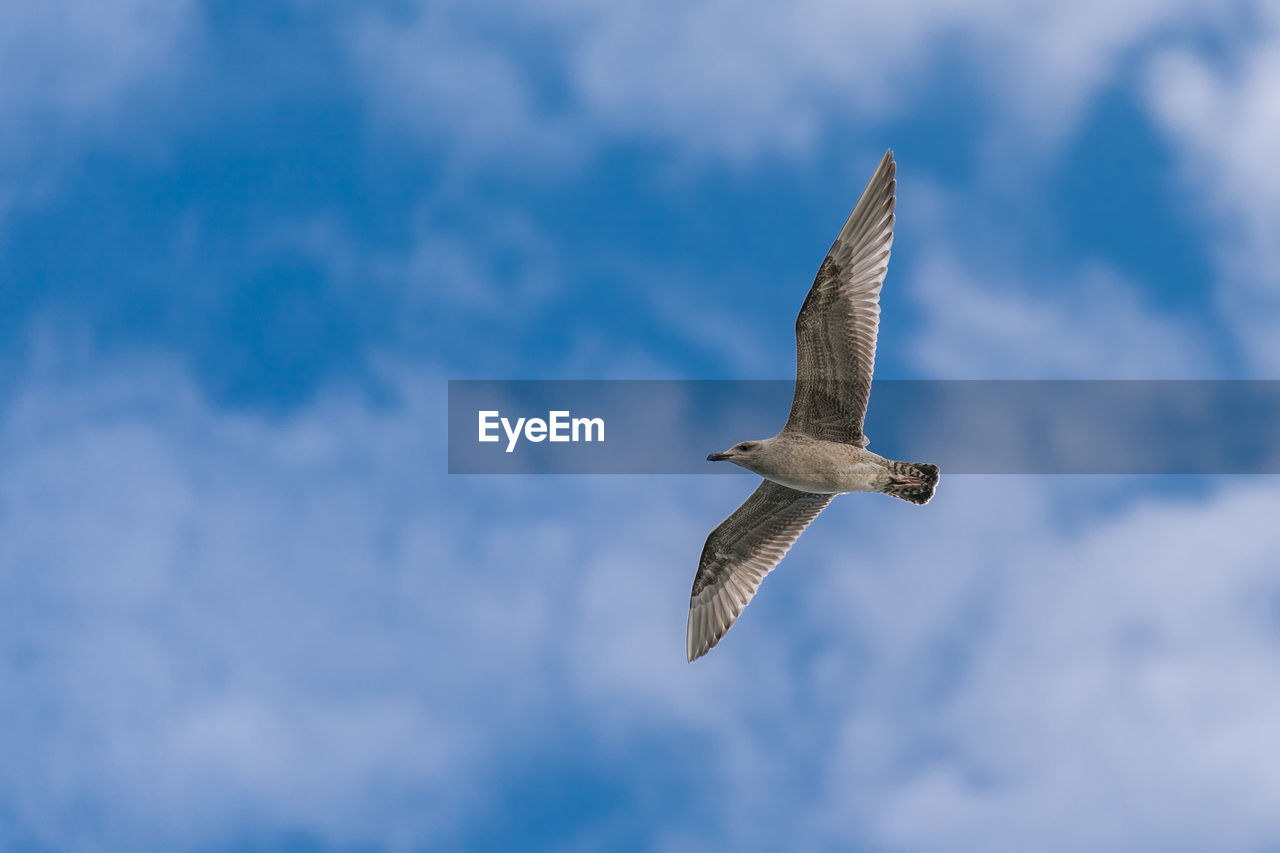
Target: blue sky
x: 244, y: 246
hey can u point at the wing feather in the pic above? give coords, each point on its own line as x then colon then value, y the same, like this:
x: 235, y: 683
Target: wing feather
x: 838, y: 323
x: 739, y: 553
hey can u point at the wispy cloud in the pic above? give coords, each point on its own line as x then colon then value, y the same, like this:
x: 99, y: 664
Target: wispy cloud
x: 1091, y: 324
x: 1121, y: 671
x: 1224, y: 119
x: 297, y: 627
x: 68, y: 69
x: 439, y: 74
x: 735, y: 81
x: 988, y: 306
x: 219, y: 624
x: 71, y: 60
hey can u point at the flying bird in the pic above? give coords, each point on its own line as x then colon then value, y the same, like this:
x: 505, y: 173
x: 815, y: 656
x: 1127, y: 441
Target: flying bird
x: 822, y: 451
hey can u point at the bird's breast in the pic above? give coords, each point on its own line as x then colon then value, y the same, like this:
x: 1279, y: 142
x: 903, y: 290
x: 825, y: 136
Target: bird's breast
x: 825, y: 468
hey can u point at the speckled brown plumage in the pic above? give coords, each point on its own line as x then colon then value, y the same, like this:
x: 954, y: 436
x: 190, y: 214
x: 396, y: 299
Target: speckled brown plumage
x: 821, y: 451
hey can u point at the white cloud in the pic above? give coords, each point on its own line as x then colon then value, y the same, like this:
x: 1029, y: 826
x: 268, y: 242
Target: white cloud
x: 299, y: 625
x: 68, y: 67
x: 737, y: 80
x: 988, y: 308
x: 304, y: 625
x: 505, y: 267
x: 1111, y: 690
x: 1090, y: 324
x: 1224, y: 119
x: 75, y: 59
x: 437, y: 77
x: 179, y: 606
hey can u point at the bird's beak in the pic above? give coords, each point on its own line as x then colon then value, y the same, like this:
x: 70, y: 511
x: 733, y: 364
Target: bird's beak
x: 718, y: 457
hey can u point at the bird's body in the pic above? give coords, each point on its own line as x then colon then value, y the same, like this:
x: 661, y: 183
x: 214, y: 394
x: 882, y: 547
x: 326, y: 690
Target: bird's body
x: 808, y: 464
x: 821, y: 452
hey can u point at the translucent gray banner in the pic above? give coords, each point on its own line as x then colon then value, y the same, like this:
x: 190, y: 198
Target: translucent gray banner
x: 966, y: 427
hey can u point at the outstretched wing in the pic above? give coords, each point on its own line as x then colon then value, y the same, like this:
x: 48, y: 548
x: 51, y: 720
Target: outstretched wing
x: 739, y: 553
x: 836, y: 329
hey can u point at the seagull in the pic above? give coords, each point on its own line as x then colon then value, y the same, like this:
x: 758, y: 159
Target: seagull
x: 822, y: 451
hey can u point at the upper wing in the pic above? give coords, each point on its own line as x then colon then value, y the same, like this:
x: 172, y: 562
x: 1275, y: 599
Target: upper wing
x: 836, y: 329
x: 739, y: 553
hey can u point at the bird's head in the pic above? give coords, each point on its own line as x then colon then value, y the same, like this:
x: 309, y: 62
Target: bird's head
x: 744, y: 453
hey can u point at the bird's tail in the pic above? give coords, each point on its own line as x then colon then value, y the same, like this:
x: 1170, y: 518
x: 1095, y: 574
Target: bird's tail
x: 912, y: 481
